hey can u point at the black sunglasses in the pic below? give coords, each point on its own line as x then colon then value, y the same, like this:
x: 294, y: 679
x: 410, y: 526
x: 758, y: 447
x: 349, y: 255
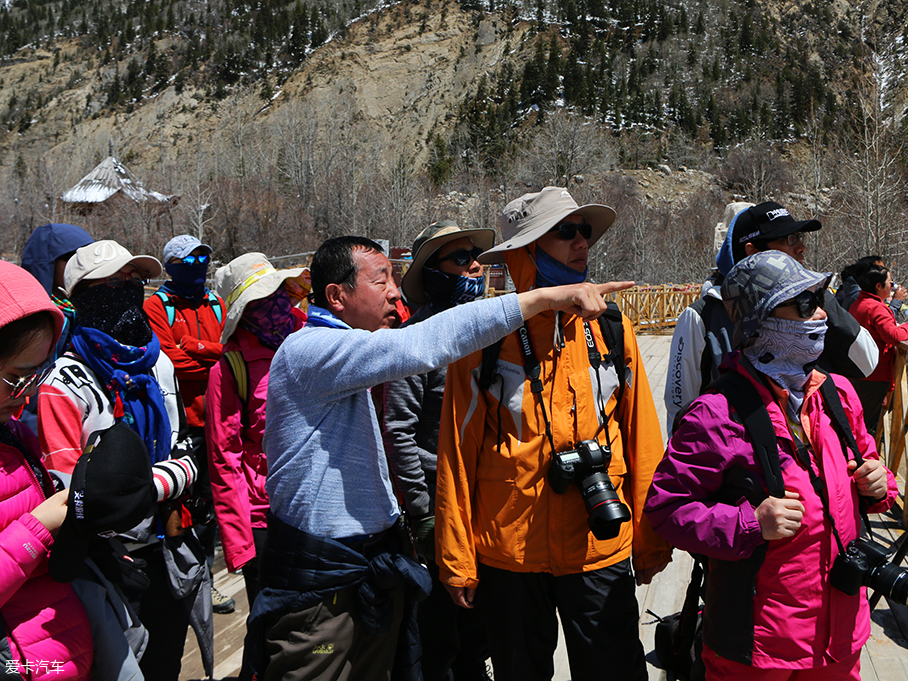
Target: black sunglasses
x: 197, y: 259
x: 567, y: 231
x: 462, y: 256
x: 807, y: 303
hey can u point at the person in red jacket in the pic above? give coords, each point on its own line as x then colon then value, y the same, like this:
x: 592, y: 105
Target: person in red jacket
x: 874, y: 314
x: 188, y: 320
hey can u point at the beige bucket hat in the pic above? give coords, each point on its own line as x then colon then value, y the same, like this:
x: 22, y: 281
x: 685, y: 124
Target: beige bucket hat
x: 244, y: 279
x: 526, y: 219
x: 430, y: 240
x: 103, y: 259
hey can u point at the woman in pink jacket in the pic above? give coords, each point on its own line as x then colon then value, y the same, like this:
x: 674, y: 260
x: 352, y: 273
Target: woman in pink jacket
x: 46, y: 633
x: 260, y: 314
x: 771, y: 610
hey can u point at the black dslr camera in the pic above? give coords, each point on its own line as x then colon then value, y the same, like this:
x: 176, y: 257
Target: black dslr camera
x: 587, y: 465
x: 865, y: 563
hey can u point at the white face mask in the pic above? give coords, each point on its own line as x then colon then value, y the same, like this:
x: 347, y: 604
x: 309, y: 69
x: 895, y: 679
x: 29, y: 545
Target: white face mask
x: 785, y: 351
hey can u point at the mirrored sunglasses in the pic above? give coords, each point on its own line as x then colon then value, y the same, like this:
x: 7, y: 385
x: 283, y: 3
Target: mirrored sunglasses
x: 26, y: 383
x: 463, y: 256
x: 806, y: 303
x: 197, y: 259
x: 567, y: 231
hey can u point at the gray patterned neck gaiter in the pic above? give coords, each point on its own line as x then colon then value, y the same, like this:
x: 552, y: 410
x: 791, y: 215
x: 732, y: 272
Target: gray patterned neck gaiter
x: 785, y: 350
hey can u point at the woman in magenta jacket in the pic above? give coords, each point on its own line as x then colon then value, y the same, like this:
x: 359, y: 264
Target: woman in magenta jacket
x: 46, y: 631
x: 871, y: 311
x: 709, y: 493
x: 260, y: 314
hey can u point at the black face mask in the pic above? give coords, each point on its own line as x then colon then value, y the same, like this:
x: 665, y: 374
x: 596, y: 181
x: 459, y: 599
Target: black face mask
x: 117, y: 312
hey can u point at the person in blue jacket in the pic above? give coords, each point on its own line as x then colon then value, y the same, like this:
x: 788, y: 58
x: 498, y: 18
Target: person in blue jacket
x: 44, y: 257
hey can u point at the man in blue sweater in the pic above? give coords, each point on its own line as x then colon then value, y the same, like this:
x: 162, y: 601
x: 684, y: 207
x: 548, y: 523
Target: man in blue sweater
x: 336, y: 583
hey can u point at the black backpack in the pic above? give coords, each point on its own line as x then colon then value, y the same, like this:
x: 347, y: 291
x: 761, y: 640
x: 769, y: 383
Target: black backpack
x: 679, y: 637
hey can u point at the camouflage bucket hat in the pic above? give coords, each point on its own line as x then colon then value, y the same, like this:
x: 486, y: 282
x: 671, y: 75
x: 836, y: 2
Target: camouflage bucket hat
x: 760, y: 283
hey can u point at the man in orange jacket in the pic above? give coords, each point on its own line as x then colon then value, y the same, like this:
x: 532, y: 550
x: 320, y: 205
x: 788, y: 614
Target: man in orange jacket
x: 505, y: 534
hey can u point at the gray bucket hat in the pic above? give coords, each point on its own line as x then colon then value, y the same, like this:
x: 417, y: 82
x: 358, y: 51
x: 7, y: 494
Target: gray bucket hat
x: 430, y: 240
x: 249, y: 277
x: 526, y: 219
x: 759, y: 283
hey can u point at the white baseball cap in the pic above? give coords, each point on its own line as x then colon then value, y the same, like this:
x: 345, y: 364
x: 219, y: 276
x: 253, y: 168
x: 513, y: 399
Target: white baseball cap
x: 103, y: 259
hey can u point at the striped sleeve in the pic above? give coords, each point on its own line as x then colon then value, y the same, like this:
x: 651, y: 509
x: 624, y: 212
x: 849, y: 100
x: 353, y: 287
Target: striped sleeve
x: 172, y: 478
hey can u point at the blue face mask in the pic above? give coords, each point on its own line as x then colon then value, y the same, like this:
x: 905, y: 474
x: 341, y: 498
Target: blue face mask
x: 550, y: 272
x: 188, y: 281
x: 451, y: 289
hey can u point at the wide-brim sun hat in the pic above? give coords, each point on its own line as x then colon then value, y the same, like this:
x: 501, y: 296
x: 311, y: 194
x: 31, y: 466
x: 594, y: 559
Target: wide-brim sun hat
x: 244, y: 279
x: 761, y: 282
x: 103, y: 259
x: 526, y: 219
x: 428, y: 242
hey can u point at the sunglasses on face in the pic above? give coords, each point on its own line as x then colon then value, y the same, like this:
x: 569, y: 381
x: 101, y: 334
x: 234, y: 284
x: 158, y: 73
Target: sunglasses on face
x: 463, y: 256
x: 197, y: 259
x: 567, y: 231
x: 25, y: 383
x: 806, y: 303
x: 796, y: 238
x: 119, y: 279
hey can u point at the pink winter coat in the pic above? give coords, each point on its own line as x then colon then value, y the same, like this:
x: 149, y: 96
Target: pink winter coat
x: 237, y: 460
x: 45, y: 620
x: 799, y: 620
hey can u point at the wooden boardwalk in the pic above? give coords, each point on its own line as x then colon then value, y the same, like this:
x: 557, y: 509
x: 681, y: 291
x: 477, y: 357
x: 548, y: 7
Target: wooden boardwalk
x: 885, y: 657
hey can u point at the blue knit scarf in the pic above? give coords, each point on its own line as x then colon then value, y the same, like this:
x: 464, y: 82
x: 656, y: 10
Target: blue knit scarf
x: 137, y: 397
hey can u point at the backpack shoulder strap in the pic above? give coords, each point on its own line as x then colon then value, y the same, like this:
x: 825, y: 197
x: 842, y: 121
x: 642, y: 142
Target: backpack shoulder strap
x: 238, y: 368
x: 833, y: 402
x: 215, y: 304
x: 744, y: 399
x: 612, y: 326
x: 168, y: 305
x: 718, y: 330
x: 488, y: 373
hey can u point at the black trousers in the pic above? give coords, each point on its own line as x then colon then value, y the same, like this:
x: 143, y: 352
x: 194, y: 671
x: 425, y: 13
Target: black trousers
x: 251, y: 569
x: 453, y: 639
x: 165, y: 617
x: 598, y: 613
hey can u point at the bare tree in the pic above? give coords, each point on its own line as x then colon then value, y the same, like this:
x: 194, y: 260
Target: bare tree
x: 870, y: 200
x: 566, y: 146
x: 756, y: 171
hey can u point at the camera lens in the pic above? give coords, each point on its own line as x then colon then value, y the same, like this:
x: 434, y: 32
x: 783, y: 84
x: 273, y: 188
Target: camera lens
x: 891, y: 581
x: 606, y: 510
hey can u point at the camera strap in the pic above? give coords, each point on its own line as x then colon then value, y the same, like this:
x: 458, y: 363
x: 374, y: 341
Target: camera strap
x: 819, y: 486
x: 533, y: 370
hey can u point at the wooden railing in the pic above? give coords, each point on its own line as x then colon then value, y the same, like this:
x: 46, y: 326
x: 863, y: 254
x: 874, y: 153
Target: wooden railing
x: 651, y: 309
x: 892, y: 431
x: 655, y: 309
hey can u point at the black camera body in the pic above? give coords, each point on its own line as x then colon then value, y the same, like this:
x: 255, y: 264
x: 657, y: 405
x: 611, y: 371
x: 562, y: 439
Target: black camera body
x: 587, y: 466
x: 865, y: 563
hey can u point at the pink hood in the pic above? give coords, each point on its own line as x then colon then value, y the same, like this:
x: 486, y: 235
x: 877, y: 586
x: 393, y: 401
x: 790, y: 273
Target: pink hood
x: 22, y: 295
